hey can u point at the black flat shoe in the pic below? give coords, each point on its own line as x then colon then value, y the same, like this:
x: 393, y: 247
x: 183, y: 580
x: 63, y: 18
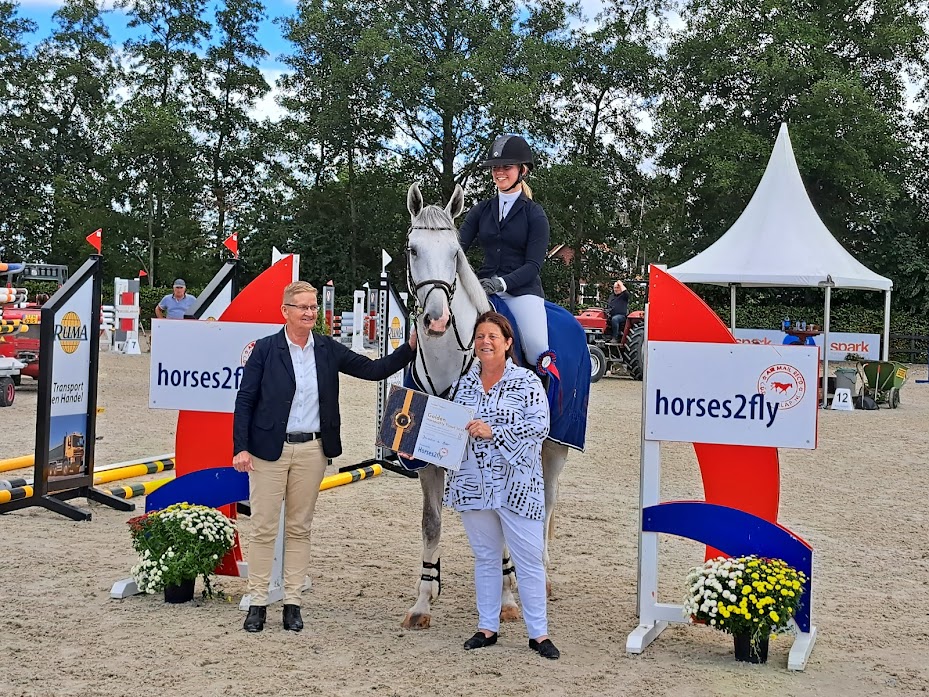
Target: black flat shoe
x: 292, y: 620
x: 255, y: 620
x: 480, y: 640
x: 545, y: 648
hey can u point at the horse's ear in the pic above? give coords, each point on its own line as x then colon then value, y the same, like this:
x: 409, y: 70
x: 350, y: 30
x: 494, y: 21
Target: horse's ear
x: 456, y: 202
x: 414, y: 200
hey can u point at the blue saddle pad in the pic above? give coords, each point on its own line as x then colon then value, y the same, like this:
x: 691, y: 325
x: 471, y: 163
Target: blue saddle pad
x: 569, y: 391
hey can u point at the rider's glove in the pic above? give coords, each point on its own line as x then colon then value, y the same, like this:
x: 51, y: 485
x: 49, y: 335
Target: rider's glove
x: 492, y: 285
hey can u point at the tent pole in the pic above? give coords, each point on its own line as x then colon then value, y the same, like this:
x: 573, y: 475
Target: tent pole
x: 732, y: 306
x: 828, y: 309
x: 885, y: 351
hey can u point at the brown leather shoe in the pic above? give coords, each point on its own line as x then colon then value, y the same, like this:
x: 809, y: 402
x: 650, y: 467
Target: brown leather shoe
x: 292, y: 620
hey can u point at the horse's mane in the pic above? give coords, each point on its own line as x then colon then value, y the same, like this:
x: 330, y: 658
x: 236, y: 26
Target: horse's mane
x: 440, y: 222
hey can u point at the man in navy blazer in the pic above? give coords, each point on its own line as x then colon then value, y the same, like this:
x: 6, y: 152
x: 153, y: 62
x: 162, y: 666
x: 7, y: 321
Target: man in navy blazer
x: 285, y: 429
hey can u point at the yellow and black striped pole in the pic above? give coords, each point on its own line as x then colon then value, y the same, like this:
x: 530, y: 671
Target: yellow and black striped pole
x: 334, y: 480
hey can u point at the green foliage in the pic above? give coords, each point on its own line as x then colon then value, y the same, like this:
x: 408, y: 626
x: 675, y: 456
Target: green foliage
x: 179, y: 543
x: 650, y: 140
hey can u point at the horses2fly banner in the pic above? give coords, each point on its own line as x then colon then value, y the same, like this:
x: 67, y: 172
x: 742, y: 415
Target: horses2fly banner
x: 737, y: 404
x: 198, y: 366
x: 732, y: 394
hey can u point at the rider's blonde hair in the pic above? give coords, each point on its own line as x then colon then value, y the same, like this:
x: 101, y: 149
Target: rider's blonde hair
x: 525, y: 185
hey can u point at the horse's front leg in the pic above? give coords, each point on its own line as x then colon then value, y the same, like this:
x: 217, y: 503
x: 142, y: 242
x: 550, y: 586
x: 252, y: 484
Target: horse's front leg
x: 428, y: 587
x: 554, y: 456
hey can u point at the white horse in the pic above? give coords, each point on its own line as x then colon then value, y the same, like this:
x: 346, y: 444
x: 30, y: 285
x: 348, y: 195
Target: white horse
x: 449, y: 299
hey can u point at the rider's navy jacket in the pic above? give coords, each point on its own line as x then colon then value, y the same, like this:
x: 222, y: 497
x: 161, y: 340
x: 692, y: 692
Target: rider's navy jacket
x: 514, y: 248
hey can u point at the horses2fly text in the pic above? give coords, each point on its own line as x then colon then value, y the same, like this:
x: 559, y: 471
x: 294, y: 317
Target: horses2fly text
x: 739, y: 406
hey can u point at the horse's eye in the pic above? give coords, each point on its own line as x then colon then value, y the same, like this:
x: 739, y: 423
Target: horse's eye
x: 411, y: 251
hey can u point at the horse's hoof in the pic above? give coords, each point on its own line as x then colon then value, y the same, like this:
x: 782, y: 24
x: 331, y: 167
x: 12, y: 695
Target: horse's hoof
x: 416, y: 621
x: 509, y: 613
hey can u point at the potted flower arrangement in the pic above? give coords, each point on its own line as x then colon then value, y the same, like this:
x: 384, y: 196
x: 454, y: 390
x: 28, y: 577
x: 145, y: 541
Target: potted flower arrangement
x: 176, y: 545
x: 749, y: 597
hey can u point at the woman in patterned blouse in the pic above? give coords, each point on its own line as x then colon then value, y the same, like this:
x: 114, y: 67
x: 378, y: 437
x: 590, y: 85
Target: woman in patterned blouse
x: 499, y: 488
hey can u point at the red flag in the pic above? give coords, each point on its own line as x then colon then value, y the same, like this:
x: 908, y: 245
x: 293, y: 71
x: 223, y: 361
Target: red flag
x: 232, y: 244
x: 143, y: 273
x: 95, y: 239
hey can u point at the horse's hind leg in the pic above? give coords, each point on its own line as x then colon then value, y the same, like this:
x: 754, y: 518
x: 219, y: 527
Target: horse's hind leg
x: 554, y: 456
x: 432, y: 480
x: 509, y: 610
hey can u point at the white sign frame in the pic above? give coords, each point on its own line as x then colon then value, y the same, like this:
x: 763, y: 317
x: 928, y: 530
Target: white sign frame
x: 655, y: 616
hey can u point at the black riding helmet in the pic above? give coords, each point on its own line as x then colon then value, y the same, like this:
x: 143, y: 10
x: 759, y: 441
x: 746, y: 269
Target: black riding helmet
x: 509, y: 150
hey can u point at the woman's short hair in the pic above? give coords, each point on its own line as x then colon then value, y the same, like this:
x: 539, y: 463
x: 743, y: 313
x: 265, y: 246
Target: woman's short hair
x: 294, y: 289
x: 506, y: 329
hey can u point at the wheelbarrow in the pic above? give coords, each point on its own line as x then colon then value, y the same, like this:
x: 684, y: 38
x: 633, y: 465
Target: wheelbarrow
x: 882, y: 381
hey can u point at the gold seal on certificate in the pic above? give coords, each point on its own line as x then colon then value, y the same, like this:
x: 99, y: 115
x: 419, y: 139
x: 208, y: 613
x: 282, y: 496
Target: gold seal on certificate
x: 428, y: 428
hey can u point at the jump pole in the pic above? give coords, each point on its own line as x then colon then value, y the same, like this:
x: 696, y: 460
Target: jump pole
x: 18, y: 492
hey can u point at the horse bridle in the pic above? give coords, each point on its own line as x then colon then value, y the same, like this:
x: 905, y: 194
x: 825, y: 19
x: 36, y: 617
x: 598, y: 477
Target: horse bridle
x: 448, y: 289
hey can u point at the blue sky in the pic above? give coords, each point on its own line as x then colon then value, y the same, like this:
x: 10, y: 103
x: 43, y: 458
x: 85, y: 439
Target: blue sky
x: 41, y: 11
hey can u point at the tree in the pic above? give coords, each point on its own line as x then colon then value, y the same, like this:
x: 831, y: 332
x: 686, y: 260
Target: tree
x: 834, y: 71
x: 463, y: 73
x: 337, y: 98
x: 21, y: 177
x: 233, y: 145
x: 78, y: 78
x: 594, y: 185
x: 155, y: 150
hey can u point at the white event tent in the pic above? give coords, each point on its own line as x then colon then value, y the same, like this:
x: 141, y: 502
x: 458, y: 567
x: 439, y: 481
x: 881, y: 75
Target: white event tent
x: 780, y: 241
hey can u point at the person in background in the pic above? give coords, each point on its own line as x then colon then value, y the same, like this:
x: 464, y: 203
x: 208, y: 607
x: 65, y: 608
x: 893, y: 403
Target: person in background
x: 513, y: 232
x: 619, y: 309
x: 285, y: 428
x: 176, y: 305
x: 499, y: 489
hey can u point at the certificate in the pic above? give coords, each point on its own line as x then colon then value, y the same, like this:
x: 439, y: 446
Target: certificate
x: 428, y: 428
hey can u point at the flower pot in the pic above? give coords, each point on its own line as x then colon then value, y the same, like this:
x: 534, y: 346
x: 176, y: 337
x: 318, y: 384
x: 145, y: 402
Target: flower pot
x: 749, y: 653
x: 182, y: 593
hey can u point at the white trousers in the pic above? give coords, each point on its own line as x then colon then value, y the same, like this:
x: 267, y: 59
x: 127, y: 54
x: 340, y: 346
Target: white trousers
x: 487, y: 530
x: 529, y: 311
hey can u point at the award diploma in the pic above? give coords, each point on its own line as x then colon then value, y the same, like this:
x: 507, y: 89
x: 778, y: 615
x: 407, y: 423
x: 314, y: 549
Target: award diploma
x: 428, y: 428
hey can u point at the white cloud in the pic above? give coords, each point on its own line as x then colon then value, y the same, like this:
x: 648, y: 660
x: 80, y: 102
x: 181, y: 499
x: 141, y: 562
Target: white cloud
x: 267, y: 107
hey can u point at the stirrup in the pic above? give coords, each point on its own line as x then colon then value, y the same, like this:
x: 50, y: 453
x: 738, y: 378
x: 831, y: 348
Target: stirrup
x: 545, y: 365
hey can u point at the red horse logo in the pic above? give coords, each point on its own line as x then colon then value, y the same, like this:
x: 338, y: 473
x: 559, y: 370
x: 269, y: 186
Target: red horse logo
x: 781, y: 387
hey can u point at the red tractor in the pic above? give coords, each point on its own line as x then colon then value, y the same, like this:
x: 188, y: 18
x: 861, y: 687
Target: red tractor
x: 20, y: 321
x: 625, y: 356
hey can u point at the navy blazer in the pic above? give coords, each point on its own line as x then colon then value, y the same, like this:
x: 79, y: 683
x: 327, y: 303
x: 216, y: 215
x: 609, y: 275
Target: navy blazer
x: 268, y: 385
x: 514, y: 248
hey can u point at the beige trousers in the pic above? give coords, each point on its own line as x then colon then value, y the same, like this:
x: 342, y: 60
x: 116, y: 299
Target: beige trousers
x: 293, y: 479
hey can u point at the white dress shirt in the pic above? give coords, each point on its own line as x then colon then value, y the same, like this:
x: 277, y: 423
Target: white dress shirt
x: 304, y: 410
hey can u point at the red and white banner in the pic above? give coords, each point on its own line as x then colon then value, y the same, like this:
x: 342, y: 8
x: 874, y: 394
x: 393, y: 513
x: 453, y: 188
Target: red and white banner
x: 840, y: 343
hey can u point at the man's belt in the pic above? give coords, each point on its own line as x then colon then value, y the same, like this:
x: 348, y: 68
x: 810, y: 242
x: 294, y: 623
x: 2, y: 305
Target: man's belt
x: 302, y: 437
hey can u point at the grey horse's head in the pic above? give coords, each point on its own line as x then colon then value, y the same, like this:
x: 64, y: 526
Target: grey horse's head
x: 433, y: 257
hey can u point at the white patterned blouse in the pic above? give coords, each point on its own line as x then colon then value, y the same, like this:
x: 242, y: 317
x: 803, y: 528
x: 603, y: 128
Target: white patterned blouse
x: 504, y: 471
